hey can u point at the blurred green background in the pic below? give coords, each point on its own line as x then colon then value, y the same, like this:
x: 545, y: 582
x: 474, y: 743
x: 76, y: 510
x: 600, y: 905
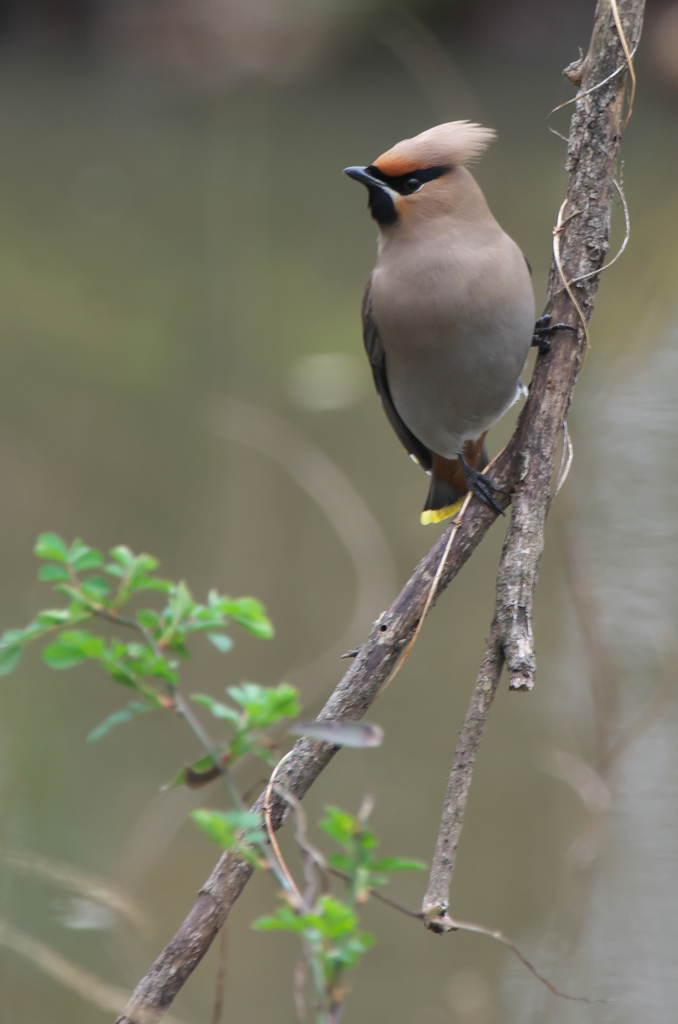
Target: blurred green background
x: 182, y: 265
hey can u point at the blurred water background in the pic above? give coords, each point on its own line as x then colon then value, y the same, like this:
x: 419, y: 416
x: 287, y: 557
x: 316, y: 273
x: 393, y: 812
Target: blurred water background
x: 181, y: 271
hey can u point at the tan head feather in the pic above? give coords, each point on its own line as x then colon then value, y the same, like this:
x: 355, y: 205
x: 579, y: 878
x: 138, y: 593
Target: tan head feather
x: 456, y: 142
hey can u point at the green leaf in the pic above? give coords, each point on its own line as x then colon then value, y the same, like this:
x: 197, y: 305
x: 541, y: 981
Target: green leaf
x: 77, y: 550
x: 117, y: 718
x: 341, y: 862
x: 245, y: 821
x: 11, y: 637
x: 60, y: 655
x: 9, y: 659
x: 50, y: 545
x: 333, y: 918
x: 87, y: 559
x: 216, y: 826
x: 123, y: 556
x: 54, y: 616
x: 73, y: 647
x: 340, y: 825
x: 95, y: 587
x: 348, y: 953
x: 398, y: 864
x: 148, y: 618
x: 250, y: 614
x: 285, y: 920
x: 218, y: 709
x: 266, y: 704
x: 53, y: 573
x: 69, y: 591
x: 222, y: 642
x: 153, y: 583
x: 90, y: 645
x: 180, y: 602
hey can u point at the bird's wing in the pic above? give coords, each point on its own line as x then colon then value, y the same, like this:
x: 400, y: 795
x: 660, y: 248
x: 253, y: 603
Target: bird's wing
x: 377, y: 360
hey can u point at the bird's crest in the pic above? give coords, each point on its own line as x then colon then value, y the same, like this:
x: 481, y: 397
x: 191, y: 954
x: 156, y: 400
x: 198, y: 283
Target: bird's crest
x: 456, y: 142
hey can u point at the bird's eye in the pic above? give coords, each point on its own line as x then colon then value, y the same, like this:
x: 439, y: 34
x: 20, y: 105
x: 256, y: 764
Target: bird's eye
x: 412, y: 185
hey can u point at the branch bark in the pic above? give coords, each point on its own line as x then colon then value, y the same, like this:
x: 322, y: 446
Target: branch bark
x: 580, y: 244
x: 525, y: 465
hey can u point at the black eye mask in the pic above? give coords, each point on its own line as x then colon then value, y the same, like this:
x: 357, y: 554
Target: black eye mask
x: 406, y: 184
x: 381, y: 205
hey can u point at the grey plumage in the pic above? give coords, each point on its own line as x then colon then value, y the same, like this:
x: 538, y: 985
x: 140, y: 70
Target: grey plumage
x: 448, y: 312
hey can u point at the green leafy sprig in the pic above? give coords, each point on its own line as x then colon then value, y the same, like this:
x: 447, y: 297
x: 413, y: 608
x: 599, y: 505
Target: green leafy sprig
x: 97, y: 588
x: 334, y: 939
x: 357, y: 862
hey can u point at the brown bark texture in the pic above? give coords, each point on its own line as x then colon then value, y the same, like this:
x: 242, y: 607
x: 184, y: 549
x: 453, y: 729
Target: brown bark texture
x: 582, y: 242
x: 525, y: 467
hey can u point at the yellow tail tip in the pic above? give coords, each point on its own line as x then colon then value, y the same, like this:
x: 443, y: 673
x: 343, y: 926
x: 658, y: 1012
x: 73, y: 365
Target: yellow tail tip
x: 436, y: 515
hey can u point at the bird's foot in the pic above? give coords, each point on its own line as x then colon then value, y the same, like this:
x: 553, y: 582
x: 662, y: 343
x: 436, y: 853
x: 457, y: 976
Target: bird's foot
x: 543, y: 329
x: 481, y: 486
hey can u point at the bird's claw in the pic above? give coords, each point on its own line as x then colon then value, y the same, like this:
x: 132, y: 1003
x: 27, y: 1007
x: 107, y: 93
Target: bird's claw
x: 483, y: 488
x: 543, y: 329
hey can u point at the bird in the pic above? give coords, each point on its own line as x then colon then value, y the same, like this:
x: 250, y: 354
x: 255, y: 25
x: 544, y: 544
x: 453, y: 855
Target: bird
x: 448, y: 311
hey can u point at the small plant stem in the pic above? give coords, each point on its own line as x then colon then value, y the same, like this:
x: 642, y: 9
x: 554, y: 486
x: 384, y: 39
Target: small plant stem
x: 174, y: 692
x: 186, y: 712
x: 232, y: 791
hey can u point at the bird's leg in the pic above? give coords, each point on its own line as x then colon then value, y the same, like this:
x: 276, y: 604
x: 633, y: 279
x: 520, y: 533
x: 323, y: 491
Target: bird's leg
x: 543, y: 329
x: 481, y: 486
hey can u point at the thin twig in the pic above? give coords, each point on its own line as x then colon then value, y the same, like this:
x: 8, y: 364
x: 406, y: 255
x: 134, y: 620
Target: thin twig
x: 220, y: 984
x: 436, y: 899
x: 479, y: 929
x: 300, y: 972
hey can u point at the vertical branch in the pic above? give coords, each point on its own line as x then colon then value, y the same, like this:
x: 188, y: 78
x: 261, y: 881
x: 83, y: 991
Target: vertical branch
x: 580, y: 244
x: 436, y: 899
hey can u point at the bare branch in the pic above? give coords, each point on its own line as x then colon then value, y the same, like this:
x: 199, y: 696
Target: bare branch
x: 435, y: 902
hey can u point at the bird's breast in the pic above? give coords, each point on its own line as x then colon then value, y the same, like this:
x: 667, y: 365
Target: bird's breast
x: 456, y: 326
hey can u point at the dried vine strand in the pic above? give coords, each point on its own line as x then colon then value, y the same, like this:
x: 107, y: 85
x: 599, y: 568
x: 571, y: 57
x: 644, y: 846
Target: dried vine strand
x: 627, y: 65
x: 272, y: 836
x: 627, y: 235
x: 629, y: 60
x: 557, y: 233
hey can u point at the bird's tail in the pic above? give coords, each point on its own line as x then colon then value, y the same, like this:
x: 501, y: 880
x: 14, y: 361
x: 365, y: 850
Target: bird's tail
x: 448, y: 484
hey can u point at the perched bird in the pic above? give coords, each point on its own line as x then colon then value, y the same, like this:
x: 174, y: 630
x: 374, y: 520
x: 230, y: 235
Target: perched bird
x: 448, y: 312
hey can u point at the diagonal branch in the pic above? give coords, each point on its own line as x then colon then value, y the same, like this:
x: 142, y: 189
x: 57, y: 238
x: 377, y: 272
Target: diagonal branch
x: 525, y: 465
